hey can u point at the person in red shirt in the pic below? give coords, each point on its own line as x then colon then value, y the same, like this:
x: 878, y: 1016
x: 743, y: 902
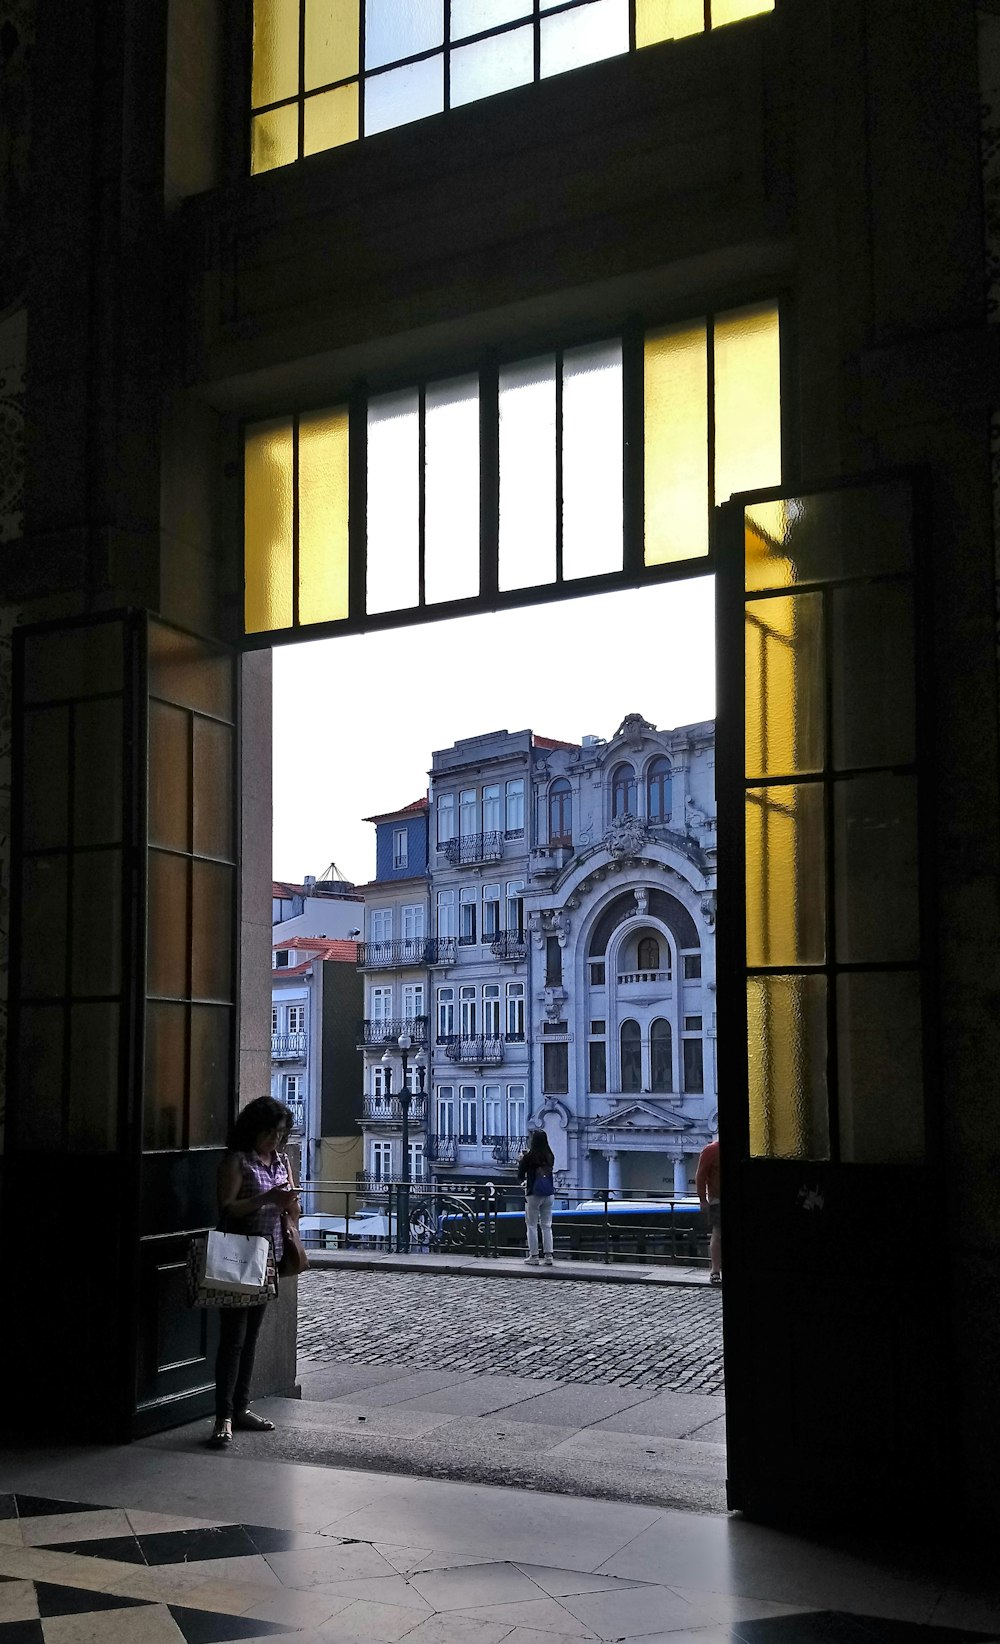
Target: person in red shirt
x: 706, y: 1181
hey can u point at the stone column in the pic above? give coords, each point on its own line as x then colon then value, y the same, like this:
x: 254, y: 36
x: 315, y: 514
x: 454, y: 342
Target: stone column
x: 614, y: 1172
x: 680, y: 1178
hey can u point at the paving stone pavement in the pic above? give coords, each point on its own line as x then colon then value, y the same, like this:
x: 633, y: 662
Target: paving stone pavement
x: 665, y: 1338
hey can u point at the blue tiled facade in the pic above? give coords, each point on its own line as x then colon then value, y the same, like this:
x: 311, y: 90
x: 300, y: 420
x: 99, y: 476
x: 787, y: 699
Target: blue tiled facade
x: 415, y: 827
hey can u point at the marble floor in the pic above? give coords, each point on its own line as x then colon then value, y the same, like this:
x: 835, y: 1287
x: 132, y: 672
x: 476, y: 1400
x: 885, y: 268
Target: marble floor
x: 140, y: 1546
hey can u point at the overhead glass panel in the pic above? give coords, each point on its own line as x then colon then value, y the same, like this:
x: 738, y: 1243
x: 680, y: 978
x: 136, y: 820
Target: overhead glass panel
x: 393, y: 501
x: 592, y: 460
x: 395, y: 29
x: 451, y: 490
x: 733, y: 11
x: 786, y: 1065
x: 747, y: 401
x: 657, y: 20
x: 267, y: 467
x: 274, y: 138
x: 404, y: 94
x: 490, y: 66
x: 675, y: 394
x: 275, y: 51
x: 472, y: 16
x: 527, y: 437
x: 331, y: 119
x: 331, y: 41
x: 323, y: 515
x: 590, y: 33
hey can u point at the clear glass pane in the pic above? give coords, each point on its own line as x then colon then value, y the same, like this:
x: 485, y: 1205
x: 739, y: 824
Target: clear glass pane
x: 166, y: 1076
x: 97, y: 762
x: 874, y: 671
x: 395, y: 29
x: 747, y: 400
x: 587, y: 35
x: 471, y: 16
x: 274, y: 139
x: 880, y: 1073
x: 97, y: 923
x: 44, y: 926
x: 527, y: 548
x: 592, y: 460
x: 675, y: 409
x: 667, y: 20
x: 323, y: 512
x: 40, y: 1049
x: 267, y: 467
x: 731, y: 11
x: 861, y: 531
x: 167, y: 926
x: 404, y: 94
x: 785, y: 719
x: 169, y: 776
x: 275, y: 51
x: 393, y: 501
x: 331, y: 118
x: 213, y: 788
x: 331, y: 42
x: 211, y: 1077
x: 211, y: 935
x: 490, y: 66
x: 451, y: 490
x: 93, y: 1078
x: 786, y: 869
x: 786, y: 1057
x: 73, y: 662
x: 875, y: 868
x: 190, y: 672
x: 44, y: 810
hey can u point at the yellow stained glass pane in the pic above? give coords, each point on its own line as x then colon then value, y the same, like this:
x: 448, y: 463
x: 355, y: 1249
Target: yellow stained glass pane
x: 331, y: 119
x: 274, y: 139
x: 731, y: 11
x: 667, y: 20
x: 331, y: 43
x: 267, y: 526
x: 675, y: 397
x: 323, y: 481
x: 275, y: 51
x: 785, y: 724
x: 786, y: 1066
x: 747, y: 401
x: 785, y: 875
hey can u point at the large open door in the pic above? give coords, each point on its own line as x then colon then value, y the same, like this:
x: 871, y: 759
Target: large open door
x: 833, y: 1219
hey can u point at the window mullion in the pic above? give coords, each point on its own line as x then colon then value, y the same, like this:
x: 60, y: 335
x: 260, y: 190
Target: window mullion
x: 489, y: 481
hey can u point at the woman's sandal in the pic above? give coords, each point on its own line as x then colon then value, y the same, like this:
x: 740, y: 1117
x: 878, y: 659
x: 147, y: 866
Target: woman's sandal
x: 249, y: 1422
x: 221, y: 1438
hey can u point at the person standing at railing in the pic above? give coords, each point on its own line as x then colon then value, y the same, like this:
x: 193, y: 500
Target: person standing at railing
x: 534, y: 1169
x: 707, y: 1183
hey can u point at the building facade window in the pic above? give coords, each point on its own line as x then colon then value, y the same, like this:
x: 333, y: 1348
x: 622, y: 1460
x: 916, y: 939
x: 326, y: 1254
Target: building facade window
x: 623, y: 792
x: 468, y: 1128
x: 445, y: 818
x: 468, y: 812
x: 553, y: 962
x: 492, y: 1113
x: 296, y: 1018
x: 560, y: 813
x: 381, y: 1003
x: 416, y: 1150
x: 649, y: 953
x: 597, y: 1071
x: 399, y: 848
x: 380, y: 1084
x: 517, y: 1110
x: 381, y: 926
x: 692, y: 967
x: 597, y: 973
x: 292, y: 1089
x: 555, y: 1069
x: 658, y: 790
x: 446, y: 913
x: 445, y: 1015
x: 515, y: 808
x: 492, y: 822
x: 491, y: 912
x: 274, y: 1018
x: 631, y: 1057
x: 467, y: 898
x: 446, y: 1110
x: 382, y: 1161
x: 413, y: 1000
x: 467, y: 1011
x: 515, y: 907
x: 515, y: 1010
x: 491, y: 1010
x: 413, y: 922
x: 694, y: 1056
x: 661, y: 1062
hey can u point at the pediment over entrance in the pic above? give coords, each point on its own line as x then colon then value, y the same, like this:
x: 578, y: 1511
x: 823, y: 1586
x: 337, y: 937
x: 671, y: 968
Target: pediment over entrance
x: 638, y: 1116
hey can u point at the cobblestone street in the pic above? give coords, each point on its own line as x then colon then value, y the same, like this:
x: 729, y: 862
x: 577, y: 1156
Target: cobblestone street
x: 666, y: 1338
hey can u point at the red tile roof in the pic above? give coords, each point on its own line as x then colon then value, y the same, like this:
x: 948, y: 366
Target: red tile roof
x: 404, y: 810
x: 550, y: 742
x: 319, y: 947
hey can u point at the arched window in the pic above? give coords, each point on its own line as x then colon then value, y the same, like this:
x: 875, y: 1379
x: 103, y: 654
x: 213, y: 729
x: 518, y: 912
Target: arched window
x: 623, y: 795
x: 661, y: 1068
x: 649, y: 953
x: 631, y: 1057
x: 560, y: 812
x: 658, y: 790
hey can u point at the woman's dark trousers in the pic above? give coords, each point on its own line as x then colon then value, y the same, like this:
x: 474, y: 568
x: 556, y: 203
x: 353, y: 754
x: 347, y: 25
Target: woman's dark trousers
x: 239, y: 1328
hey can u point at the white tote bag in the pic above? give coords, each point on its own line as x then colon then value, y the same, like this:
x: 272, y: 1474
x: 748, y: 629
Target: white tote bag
x: 236, y: 1263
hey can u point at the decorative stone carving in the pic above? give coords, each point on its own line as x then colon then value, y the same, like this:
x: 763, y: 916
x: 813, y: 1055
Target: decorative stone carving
x: 642, y: 899
x: 626, y: 835
x: 633, y: 731
x: 707, y: 906
x: 537, y: 930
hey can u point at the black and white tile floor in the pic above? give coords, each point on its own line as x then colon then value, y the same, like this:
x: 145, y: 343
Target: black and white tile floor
x: 371, y: 1558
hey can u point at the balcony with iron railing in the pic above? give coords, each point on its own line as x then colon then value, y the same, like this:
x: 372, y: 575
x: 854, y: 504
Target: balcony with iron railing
x: 288, y: 1047
x: 643, y: 978
x: 479, y: 1049
x: 471, y: 1149
x: 388, y: 1110
x: 298, y: 1111
x: 441, y: 950
x: 406, y: 950
x: 509, y: 944
x: 468, y: 848
x: 366, y: 1180
x: 375, y: 1033
x: 507, y: 1149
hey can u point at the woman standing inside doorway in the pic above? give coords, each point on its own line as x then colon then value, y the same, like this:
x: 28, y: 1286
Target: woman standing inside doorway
x: 535, y: 1169
x: 255, y: 1190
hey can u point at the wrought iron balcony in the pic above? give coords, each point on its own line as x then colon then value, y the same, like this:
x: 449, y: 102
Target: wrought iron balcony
x: 467, y: 848
x: 480, y: 1049
x: 440, y: 1149
x: 288, y: 1047
x: 369, y: 1180
x: 441, y: 950
x: 509, y: 944
x: 508, y: 1149
x: 298, y: 1110
x: 406, y: 950
x: 384, y: 1033
x: 388, y: 1110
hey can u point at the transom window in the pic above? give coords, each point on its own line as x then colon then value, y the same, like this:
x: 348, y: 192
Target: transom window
x: 516, y: 477
x: 326, y: 72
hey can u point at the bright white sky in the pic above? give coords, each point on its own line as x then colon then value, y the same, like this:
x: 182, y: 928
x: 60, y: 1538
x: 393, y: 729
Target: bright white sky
x: 357, y: 719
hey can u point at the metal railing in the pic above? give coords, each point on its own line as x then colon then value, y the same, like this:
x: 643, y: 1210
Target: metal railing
x: 440, y: 950
x: 509, y: 944
x: 508, y: 1149
x: 406, y: 950
x: 466, y: 848
x: 487, y: 1219
x: 440, y: 1149
x: 389, y: 1109
x: 288, y: 1047
x: 386, y: 1030
x: 478, y: 1049
x: 643, y: 976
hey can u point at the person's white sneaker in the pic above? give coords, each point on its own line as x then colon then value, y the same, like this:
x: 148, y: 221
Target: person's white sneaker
x: 531, y: 1261
x: 549, y: 1261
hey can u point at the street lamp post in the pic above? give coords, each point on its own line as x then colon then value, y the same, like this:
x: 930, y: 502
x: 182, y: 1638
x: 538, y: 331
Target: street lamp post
x: 405, y: 1044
